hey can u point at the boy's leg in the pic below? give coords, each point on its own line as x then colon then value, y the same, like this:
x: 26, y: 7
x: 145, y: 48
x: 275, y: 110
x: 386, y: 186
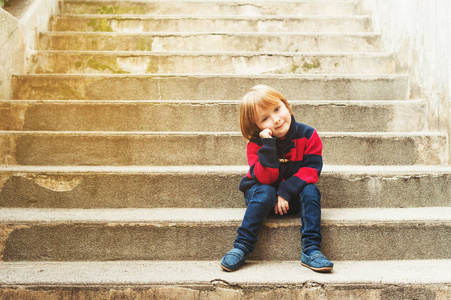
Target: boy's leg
x: 310, y: 207
x: 259, y: 200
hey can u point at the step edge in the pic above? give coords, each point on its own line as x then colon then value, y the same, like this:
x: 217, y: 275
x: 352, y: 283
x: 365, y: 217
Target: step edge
x: 169, y: 217
x: 156, y: 33
x: 380, y: 54
x: 203, y: 76
x: 370, y: 103
x: 386, y: 170
x: 255, y: 273
x: 401, y: 134
x: 354, y: 2
x: 206, y: 17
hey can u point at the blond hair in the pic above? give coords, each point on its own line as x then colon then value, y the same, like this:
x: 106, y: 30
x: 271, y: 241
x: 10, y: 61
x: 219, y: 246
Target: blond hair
x: 262, y: 96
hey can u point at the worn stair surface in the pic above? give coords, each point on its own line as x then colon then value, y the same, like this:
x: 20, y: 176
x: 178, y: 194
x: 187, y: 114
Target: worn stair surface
x: 121, y: 156
x: 203, y: 280
x: 134, y: 187
x: 138, y: 234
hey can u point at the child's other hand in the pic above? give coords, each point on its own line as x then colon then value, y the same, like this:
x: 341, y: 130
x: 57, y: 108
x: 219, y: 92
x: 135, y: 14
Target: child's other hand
x: 281, y: 206
x: 266, y: 133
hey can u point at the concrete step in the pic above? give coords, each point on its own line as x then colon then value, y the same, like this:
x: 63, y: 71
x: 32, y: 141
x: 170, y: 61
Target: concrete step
x: 213, y: 186
x: 216, y: 42
x: 207, y: 87
x: 108, y: 115
x: 403, y: 279
x: 221, y: 7
x: 156, y: 234
x: 134, y: 23
x: 202, y: 148
x: 115, y: 62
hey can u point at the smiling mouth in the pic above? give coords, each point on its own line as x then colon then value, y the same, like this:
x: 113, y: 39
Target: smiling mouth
x: 280, y: 125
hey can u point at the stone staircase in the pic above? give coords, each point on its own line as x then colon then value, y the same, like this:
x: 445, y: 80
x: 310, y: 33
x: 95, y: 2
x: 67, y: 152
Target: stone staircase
x: 121, y: 156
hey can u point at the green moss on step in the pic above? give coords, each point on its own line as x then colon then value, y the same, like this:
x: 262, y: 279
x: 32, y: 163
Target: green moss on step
x: 144, y: 44
x: 294, y: 68
x: 152, y: 68
x: 139, y: 10
x: 108, y: 10
x: 94, y: 45
x: 105, y: 63
x: 100, y: 25
x: 114, y: 10
x: 313, y: 64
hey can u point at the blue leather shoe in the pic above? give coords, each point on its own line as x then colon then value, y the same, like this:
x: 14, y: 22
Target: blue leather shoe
x: 233, y: 259
x: 317, y: 262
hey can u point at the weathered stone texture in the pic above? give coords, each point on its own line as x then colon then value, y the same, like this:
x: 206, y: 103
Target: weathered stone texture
x: 115, y: 143
x: 311, y: 291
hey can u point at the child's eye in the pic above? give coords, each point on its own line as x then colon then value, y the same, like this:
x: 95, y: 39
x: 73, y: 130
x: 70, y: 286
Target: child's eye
x: 277, y: 109
x: 264, y: 119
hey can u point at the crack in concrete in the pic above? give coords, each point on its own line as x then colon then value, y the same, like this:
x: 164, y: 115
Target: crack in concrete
x: 57, y: 183
x: 224, y: 283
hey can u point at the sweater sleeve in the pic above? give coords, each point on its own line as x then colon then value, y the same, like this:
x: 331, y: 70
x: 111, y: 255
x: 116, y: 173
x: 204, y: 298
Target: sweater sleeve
x: 310, y: 170
x: 263, y: 161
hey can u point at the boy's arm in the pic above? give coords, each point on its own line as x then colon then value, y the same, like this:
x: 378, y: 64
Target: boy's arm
x: 308, y: 173
x: 263, y: 161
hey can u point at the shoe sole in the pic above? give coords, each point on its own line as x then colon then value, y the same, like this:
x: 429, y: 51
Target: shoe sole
x: 225, y: 269
x: 322, y: 270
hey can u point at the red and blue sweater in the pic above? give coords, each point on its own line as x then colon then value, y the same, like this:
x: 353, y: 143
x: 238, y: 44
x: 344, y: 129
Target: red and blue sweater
x: 302, y: 147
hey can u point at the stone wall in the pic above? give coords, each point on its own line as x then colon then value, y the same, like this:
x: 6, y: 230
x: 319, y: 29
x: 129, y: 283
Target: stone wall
x: 18, y: 37
x: 419, y: 34
x: 11, y: 51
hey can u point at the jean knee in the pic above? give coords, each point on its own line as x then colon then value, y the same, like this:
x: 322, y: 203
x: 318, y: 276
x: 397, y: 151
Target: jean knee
x: 264, y: 194
x: 311, y: 192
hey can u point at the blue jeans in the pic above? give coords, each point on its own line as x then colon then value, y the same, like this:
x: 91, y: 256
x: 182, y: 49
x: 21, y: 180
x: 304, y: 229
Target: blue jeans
x: 260, y: 200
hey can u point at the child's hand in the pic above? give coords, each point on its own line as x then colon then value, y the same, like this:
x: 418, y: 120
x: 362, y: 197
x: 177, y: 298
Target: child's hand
x: 281, y: 206
x: 266, y: 133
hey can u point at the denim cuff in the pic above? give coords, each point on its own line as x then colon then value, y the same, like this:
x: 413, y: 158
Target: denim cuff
x: 312, y: 247
x: 241, y: 247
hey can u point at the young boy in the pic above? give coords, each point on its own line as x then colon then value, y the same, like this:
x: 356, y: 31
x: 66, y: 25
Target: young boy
x: 285, y: 160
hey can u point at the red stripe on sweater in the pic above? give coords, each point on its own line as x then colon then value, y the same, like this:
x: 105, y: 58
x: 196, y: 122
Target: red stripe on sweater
x: 297, y: 154
x: 309, y: 175
x: 304, y: 146
x: 265, y: 175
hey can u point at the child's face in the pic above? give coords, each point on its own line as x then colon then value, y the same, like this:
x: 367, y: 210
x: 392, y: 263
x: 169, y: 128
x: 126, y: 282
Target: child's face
x: 277, y: 119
